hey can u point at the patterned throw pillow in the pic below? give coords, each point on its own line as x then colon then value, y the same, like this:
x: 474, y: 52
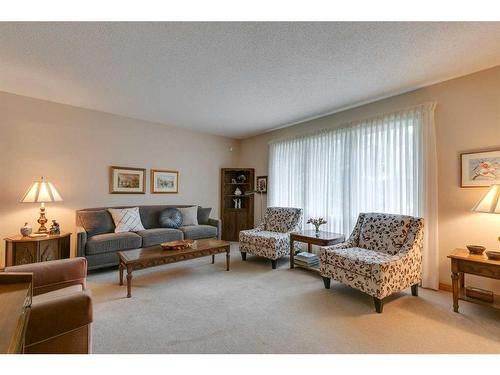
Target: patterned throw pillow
x: 189, y: 215
x: 170, y: 218
x: 126, y: 219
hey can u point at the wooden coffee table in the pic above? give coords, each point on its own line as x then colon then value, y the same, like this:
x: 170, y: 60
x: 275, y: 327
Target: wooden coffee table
x: 132, y: 260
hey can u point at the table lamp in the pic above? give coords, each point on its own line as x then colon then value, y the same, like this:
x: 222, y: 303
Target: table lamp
x: 490, y: 202
x: 41, y: 192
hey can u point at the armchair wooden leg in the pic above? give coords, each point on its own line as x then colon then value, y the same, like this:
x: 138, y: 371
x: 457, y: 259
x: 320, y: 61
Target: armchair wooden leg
x: 273, y: 263
x: 243, y: 255
x: 379, y: 304
x: 326, y: 281
x: 414, y: 290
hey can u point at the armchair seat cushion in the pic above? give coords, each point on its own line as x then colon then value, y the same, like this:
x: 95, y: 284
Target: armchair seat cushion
x: 112, y: 242
x: 196, y: 232
x: 361, y: 261
x: 272, y: 245
x: 155, y: 236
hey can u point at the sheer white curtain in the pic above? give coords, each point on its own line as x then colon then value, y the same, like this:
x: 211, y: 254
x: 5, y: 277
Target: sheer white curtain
x: 384, y: 164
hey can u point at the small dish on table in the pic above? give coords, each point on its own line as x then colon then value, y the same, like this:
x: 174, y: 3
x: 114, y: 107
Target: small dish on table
x: 177, y: 245
x: 476, y: 249
x: 493, y: 255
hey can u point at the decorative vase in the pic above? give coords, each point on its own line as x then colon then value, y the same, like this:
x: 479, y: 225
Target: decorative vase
x: 26, y: 230
x: 317, y: 231
x: 237, y: 191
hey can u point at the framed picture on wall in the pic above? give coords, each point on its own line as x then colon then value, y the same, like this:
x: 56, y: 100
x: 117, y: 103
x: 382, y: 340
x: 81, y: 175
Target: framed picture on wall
x: 480, y: 169
x: 261, y: 185
x: 125, y: 180
x: 164, y: 182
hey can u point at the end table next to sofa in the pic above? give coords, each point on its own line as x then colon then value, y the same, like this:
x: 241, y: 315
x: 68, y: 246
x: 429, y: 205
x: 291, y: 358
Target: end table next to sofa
x: 312, y: 238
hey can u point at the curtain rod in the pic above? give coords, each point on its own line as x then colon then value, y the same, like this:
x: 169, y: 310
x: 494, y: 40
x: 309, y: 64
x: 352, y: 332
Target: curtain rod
x: 431, y: 106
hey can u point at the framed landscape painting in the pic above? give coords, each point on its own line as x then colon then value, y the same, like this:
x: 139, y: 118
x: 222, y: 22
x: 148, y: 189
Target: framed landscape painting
x: 480, y: 169
x: 125, y: 180
x: 164, y: 182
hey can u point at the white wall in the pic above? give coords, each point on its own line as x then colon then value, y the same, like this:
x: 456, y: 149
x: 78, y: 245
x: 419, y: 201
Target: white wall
x: 73, y: 148
x: 467, y: 119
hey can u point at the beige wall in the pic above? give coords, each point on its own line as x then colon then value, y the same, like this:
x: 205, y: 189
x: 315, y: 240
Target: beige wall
x: 73, y: 148
x: 467, y: 119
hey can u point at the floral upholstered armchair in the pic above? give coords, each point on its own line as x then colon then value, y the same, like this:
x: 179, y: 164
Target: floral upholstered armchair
x: 382, y: 256
x: 271, y: 239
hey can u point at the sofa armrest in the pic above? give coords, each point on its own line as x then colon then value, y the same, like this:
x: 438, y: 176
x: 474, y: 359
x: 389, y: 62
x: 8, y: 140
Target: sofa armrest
x: 81, y: 241
x: 54, y: 274
x: 59, y: 315
x: 218, y: 224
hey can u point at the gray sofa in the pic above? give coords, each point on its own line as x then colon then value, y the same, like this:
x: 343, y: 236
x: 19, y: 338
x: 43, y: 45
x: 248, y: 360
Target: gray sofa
x: 97, y: 241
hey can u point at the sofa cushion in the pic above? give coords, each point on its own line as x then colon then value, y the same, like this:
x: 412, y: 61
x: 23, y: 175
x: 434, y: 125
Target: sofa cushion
x: 110, y: 242
x: 203, y: 215
x: 384, y: 232
x: 96, y: 222
x: 170, y: 218
x: 356, y: 260
x: 195, y: 232
x: 155, y: 236
x: 189, y: 215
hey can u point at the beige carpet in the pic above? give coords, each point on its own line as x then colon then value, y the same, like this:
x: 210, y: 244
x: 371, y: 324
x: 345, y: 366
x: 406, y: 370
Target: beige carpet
x: 197, y: 307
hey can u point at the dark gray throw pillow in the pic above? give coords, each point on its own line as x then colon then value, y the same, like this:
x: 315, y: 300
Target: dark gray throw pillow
x: 96, y: 222
x: 170, y: 218
x: 203, y: 215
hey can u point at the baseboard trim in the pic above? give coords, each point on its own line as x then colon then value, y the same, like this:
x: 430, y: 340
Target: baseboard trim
x: 445, y: 287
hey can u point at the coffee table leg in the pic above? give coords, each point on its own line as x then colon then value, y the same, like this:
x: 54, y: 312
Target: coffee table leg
x: 213, y: 258
x: 121, y: 273
x: 228, y: 259
x: 129, y: 282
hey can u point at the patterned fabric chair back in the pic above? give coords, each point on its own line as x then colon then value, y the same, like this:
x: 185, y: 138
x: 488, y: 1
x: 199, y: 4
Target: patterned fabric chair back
x: 385, y: 232
x: 283, y: 219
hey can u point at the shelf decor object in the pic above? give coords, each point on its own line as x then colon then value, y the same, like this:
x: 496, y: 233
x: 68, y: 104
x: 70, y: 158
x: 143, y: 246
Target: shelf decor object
x: 42, y: 192
x: 237, y: 204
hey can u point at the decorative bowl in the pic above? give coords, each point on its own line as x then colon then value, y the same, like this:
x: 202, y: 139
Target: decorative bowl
x: 177, y: 245
x: 493, y: 255
x: 476, y: 249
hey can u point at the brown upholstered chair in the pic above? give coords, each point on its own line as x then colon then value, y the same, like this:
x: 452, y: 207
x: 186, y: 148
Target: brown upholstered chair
x: 61, y: 311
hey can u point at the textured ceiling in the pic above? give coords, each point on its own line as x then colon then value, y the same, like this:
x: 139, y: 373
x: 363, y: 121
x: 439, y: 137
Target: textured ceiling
x: 235, y: 79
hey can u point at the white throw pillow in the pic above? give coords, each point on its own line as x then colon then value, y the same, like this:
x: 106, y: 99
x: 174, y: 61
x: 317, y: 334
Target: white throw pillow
x: 126, y: 219
x: 189, y: 215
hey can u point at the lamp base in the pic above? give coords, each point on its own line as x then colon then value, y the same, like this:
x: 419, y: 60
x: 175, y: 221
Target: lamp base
x: 42, y: 220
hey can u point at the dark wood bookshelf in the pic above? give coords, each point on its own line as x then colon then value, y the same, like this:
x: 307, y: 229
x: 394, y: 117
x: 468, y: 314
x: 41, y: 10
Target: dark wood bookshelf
x: 236, y: 219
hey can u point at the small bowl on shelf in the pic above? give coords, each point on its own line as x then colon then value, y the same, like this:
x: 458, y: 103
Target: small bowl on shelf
x: 493, y: 255
x: 476, y: 249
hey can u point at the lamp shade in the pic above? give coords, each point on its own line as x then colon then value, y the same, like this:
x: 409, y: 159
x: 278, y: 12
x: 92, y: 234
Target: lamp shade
x: 490, y: 203
x: 40, y: 192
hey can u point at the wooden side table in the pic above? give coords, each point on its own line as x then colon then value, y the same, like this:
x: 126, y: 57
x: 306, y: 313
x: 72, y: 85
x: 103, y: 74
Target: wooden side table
x: 23, y: 250
x: 463, y: 262
x: 311, y: 238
